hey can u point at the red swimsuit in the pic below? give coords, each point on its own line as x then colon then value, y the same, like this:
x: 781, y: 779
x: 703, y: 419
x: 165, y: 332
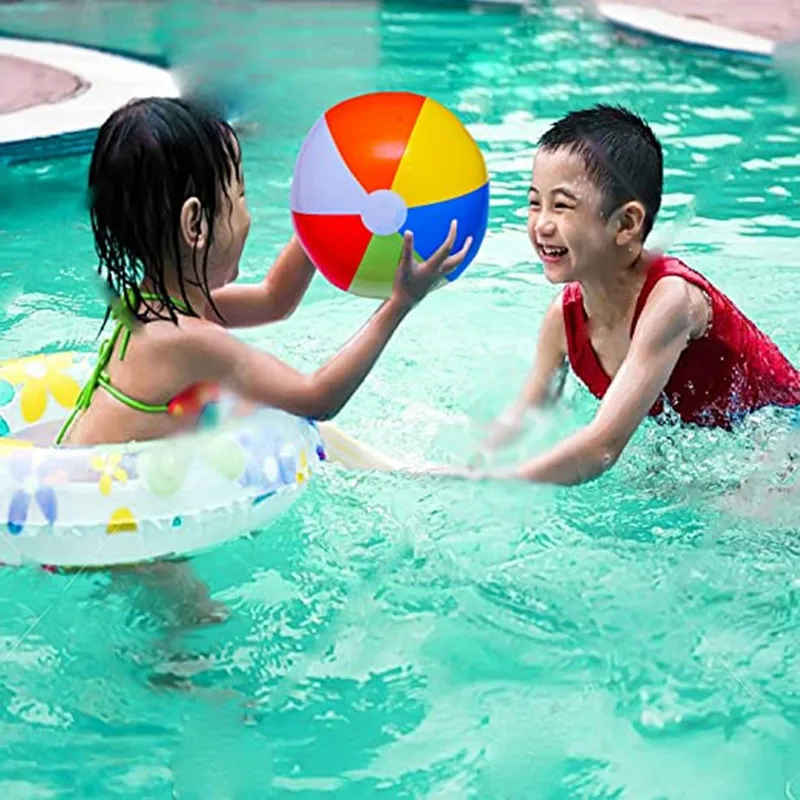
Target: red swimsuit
x: 732, y: 370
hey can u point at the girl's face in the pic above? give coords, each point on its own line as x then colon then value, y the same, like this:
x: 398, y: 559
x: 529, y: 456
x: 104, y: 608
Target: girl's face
x: 230, y: 229
x: 230, y: 234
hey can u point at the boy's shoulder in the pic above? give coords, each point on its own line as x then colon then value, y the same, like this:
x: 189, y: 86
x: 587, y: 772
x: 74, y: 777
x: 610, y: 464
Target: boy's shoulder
x: 664, y: 265
x: 669, y: 264
x: 671, y: 281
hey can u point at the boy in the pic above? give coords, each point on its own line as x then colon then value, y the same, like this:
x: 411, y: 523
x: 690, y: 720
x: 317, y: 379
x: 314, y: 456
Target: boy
x: 639, y: 329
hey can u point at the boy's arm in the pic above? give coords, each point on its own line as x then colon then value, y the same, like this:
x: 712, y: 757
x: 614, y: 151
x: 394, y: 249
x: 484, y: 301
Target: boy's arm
x: 668, y: 322
x: 544, y: 383
x: 666, y: 326
x: 275, y: 298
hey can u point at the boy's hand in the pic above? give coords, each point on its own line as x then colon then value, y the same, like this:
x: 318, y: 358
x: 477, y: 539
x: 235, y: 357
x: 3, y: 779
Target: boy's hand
x: 467, y: 473
x: 414, y: 280
x: 504, y: 431
x: 501, y: 433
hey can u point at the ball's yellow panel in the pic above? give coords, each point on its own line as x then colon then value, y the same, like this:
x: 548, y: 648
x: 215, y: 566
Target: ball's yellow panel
x: 442, y: 160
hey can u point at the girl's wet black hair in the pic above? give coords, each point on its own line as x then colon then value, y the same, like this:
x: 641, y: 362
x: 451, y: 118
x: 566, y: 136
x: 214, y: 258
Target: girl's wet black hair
x: 150, y: 156
x: 622, y: 156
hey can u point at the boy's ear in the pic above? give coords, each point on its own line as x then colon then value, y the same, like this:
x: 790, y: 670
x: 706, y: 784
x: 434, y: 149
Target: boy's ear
x: 630, y: 222
x: 194, y: 228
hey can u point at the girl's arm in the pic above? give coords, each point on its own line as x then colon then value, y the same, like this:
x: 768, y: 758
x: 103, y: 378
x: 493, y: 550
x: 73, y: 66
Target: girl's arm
x: 214, y: 355
x: 275, y: 298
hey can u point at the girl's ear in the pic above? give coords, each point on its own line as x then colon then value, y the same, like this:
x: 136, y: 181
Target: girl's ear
x: 193, y: 223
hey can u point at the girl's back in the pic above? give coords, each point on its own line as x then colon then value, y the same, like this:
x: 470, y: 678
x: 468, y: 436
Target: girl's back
x: 150, y: 375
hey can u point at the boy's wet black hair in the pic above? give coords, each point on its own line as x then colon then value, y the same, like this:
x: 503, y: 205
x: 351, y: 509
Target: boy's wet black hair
x: 150, y: 156
x: 622, y: 155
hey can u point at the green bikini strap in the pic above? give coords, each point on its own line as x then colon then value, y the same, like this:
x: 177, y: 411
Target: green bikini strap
x: 179, y: 304
x: 89, y: 388
x: 131, y: 402
x: 126, y: 323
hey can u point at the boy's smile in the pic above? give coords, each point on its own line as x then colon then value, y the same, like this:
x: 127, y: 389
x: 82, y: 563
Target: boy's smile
x: 565, y: 224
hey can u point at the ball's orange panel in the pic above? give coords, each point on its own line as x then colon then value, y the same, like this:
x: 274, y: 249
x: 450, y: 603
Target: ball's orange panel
x: 371, y: 133
x: 336, y: 243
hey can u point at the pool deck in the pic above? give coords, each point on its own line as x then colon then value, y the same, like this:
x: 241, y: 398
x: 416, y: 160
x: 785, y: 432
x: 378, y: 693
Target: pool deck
x: 754, y: 28
x: 777, y: 20
x: 55, y: 96
x: 29, y: 83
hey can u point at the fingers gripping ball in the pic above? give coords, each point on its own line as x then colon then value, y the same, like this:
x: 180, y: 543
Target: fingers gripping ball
x: 375, y: 166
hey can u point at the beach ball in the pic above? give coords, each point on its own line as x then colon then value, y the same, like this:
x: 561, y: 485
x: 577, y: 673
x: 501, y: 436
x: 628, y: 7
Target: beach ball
x: 375, y: 166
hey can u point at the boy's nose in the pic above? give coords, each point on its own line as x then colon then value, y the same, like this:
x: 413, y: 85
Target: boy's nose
x: 545, y: 226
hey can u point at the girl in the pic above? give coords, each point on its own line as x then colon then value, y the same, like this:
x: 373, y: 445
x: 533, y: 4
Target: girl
x: 170, y: 222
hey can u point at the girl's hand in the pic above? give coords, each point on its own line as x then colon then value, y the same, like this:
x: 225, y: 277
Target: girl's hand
x: 413, y: 280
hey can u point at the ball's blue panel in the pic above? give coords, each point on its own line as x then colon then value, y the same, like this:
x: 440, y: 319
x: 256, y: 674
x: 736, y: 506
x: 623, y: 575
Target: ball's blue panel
x: 430, y: 225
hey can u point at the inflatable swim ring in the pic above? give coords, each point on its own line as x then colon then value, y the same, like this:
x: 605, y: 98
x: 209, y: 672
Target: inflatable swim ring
x: 135, y: 502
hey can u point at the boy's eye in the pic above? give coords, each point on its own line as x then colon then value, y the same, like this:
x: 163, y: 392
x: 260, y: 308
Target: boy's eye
x: 560, y: 206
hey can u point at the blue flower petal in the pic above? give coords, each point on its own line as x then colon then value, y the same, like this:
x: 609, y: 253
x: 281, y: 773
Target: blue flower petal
x: 288, y: 469
x: 18, y: 512
x: 4, y: 429
x: 253, y: 475
x: 46, y: 499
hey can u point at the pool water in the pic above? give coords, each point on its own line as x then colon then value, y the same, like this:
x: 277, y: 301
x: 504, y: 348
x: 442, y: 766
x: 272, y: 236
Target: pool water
x: 635, y: 638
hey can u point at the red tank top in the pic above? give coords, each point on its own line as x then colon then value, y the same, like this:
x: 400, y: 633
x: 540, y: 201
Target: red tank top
x: 732, y: 370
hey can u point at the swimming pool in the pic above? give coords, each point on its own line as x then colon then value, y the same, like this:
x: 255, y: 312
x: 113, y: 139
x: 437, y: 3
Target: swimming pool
x: 400, y: 638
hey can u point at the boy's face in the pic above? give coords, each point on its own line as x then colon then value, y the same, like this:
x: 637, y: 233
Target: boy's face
x: 565, y: 223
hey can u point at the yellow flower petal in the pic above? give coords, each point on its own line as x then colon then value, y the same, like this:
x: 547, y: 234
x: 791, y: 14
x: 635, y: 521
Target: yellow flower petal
x: 98, y: 463
x: 64, y: 389
x: 14, y: 373
x: 105, y: 484
x: 34, y: 401
x: 120, y: 475
x: 122, y: 521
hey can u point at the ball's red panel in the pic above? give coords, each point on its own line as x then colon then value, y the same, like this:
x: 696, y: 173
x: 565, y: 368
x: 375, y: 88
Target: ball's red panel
x: 336, y: 243
x: 371, y: 133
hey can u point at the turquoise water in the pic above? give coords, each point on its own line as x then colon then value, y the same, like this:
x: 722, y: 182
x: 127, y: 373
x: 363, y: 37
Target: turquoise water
x: 398, y: 638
